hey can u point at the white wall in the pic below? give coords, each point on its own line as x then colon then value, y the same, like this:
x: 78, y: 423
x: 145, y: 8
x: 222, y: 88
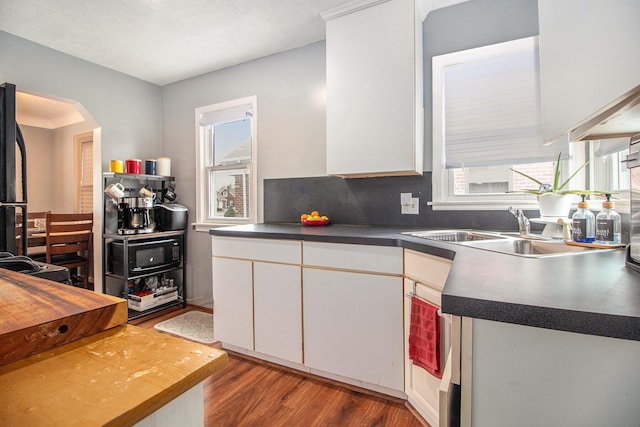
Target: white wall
x: 40, y: 147
x: 290, y: 90
x: 64, y: 180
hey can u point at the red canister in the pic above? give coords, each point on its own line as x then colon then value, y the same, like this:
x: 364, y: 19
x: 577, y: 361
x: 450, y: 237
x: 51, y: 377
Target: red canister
x: 133, y: 166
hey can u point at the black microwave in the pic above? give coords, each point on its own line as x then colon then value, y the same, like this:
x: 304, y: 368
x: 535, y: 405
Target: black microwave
x: 145, y: 256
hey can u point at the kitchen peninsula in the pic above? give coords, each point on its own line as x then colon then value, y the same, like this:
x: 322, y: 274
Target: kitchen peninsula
x: 109, y: 374
x: 520, y: 318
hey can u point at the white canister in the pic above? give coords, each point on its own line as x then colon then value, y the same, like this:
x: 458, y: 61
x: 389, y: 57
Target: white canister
x: 163, y: 166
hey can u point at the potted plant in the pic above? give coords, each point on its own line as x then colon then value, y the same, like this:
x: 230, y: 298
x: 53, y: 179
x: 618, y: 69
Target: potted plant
x: 553, y: 199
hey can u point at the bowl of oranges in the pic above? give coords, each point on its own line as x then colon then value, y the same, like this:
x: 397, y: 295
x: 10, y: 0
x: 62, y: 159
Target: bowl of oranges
x: 314, y: 218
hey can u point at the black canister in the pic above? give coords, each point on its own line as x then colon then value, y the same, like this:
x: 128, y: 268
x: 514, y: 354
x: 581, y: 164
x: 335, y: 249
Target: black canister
x: 150, y: 166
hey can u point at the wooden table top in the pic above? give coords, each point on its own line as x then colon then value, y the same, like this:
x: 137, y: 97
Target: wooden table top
x: 115, y: 377
x: 39, y: 314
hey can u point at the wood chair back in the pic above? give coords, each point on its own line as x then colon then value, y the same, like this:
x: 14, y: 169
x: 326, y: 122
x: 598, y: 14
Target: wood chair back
x: 35, y: 220
x: 70, y: 241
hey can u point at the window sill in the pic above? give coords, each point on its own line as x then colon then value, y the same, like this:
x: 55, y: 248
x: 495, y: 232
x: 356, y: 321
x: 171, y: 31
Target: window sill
x: 622, y: 206
x: 489, y: 205
x: 204, y: 227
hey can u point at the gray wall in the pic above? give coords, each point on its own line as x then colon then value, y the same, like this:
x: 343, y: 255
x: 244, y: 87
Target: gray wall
x: 128, y: 110
x: 291, y: 131
x: 468, y: 25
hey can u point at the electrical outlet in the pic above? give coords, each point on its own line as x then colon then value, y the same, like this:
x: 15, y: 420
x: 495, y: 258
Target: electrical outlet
x: 409, y: 204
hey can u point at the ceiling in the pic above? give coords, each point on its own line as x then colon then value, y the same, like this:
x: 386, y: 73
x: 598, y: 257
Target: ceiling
x: 164, y: 41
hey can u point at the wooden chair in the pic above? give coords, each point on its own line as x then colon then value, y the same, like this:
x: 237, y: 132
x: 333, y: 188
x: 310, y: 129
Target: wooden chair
x: 35, y: 220
x: 70, y: 242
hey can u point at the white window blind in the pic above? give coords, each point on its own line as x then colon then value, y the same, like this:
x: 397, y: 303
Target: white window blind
x: 491, y: 106
x: 86, y: 178
x: 605, y: 147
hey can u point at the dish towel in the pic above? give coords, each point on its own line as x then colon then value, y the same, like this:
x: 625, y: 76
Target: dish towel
x: 424, y: 336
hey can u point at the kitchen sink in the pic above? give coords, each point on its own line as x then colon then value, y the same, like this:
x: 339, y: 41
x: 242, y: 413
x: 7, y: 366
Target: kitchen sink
x: 455, y: 235
x: 506, y: 243
x: 530, y: 248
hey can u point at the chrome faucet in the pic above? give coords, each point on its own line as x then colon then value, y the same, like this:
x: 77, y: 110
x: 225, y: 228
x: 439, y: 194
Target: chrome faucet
x: 524, y: 227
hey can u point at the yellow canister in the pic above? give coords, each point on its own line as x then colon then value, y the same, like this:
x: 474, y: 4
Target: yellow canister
x: 116, y: 166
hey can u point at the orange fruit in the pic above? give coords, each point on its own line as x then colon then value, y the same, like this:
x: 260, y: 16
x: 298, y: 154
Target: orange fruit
x: 303, y: 217
x: 315, y: 213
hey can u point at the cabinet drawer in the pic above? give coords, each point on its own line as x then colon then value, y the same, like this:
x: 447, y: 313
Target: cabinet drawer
x: 377, y: 259
x: 284, y: 251
x: 427, y: 269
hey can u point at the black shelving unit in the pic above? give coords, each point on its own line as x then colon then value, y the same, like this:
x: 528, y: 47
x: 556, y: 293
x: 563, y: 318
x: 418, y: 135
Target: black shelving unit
x: 119, y: 284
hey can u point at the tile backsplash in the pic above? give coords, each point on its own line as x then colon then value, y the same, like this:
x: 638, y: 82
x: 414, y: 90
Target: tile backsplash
x: 372, y: 201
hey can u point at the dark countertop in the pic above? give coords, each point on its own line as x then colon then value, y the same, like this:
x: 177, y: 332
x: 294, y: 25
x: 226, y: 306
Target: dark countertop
x: 592, y: 293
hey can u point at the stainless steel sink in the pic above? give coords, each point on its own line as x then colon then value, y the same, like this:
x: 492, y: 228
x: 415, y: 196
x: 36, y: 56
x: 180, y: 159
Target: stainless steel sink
x: 456, y: 236
x: 530, y: 248
x: 506, y: 243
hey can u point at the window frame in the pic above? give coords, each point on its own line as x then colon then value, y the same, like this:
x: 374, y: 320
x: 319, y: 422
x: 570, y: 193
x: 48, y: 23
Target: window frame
x: 442, y: 178
x: 82, y: 143
x: 204, y: 192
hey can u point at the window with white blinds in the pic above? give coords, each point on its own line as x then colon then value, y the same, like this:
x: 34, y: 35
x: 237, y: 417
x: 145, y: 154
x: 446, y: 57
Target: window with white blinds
x: 85, y: 196
x: 227, y: 147
x: 490, y: 100
x: 487, y: 120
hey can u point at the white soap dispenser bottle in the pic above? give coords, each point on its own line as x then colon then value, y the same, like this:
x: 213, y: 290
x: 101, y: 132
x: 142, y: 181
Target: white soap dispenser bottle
x: 608, y: 224
x: 583, y: 224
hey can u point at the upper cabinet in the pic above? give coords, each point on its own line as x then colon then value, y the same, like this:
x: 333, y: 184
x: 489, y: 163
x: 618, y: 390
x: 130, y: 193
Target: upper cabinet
x: 589, y: 58
x: 374, y: 89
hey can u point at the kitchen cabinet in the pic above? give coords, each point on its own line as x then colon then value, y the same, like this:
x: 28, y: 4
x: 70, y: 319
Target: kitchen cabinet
x: 233, y: 302
x: 425, y: 276
x: 588, y: 58
x: 123, y: 282
x: 352, y: 296
x: 277, y: 310
x: 257, y: 296
x: 374, y: 89
x: 337, y: 314
x: 530, y: 376
x: 353, y: 325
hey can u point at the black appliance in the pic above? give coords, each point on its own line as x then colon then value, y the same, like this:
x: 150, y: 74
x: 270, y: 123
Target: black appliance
x: 134, y: 215
x: 633, y: 164
x: 10, y: 138
x: 26, y: 265
x: 145, y: 256
x: 170, y: 217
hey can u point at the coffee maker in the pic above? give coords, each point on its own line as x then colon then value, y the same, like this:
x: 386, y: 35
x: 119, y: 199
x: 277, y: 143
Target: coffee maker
x: 135, y: 215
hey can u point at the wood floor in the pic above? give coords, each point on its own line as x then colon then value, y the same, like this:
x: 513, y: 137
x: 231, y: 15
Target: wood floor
x: 247, y: 392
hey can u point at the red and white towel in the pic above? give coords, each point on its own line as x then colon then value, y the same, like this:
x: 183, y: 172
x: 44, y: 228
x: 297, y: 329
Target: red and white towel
x: 424, y: 336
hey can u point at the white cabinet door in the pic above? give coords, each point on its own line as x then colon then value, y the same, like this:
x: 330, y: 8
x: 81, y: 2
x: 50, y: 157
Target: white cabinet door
x: 426, y: 276
x: 589, y: 56
x: 353, y: 325
x: 374, y: 90
x: 233, y: 302
x: 278, y: 310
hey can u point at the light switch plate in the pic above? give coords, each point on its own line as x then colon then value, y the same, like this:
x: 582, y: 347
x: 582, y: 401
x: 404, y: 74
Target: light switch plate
x: 411, y: 208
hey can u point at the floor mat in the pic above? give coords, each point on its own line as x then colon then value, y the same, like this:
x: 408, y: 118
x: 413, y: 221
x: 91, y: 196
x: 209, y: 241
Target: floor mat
x: 193, y: 325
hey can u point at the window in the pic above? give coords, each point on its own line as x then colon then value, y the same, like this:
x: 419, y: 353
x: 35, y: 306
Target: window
x: 227, y: 181
x: 84, y: 172
x: 486, y: 119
